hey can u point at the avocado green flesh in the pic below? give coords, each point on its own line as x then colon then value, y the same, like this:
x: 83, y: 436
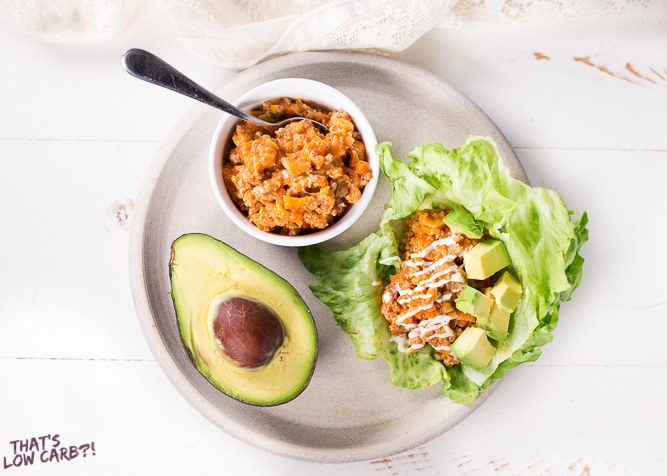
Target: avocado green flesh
x: 205, y: 271
x: 485, y: 259
x: 473, y: 348
x: 464, y: 223
x: 496, y: 324
x: 472, y: 302
x: 507, y: 292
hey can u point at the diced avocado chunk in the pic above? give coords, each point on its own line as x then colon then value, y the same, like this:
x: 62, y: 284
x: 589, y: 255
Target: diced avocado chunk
x: 507, y: 292
x: 485, y: 259
x: 496, y: 324
x: 463, y: 223
x: 472, y: 302
x: 473, y: 348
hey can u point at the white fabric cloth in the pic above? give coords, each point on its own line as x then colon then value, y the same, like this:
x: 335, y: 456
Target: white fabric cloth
x: 239, y: 33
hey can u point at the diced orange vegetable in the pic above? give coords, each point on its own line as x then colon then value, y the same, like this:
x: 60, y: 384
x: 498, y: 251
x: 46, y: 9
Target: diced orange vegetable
x: 431, y: 220
x: 293, y: 203
x: 361, y: 167
x: 296, y: 167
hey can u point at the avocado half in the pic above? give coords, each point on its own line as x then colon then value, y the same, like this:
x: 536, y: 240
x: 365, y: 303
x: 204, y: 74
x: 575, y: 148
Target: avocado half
x: 217, y: 293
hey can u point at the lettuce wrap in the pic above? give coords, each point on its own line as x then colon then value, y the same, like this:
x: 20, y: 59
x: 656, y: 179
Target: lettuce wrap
x: 534, y: 224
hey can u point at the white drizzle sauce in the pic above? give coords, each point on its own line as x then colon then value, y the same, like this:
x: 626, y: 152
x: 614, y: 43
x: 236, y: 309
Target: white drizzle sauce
x: 433, y: 266
x: 444, y: 297
x: 376, y: 283
x: 411, y: 313
x: 413, y: 264
x: 390, y: 292
x: 454, y: 278
x: 408, y: 299
x: 435, y: 276
x: 403, y: 344
x: 450, y: 240
x: 441, y: 347
x: 436, y: 323
x: 428, y: 283
x: 440, y: 323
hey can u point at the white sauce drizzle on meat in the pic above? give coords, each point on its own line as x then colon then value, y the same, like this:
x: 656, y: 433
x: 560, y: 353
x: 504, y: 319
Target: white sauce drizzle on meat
x: 444, y: 297
x: 433, y: 327
x: 403, y: 344
x: 408, y: 299
x: 450, y: 240
x: 432, y: 267
x: 413, y: 312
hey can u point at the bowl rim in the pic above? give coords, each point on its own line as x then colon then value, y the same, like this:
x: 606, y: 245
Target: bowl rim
x: 321, y: 94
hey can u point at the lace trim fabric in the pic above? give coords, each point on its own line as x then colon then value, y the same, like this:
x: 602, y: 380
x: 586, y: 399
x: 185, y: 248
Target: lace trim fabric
x: 240, y: 33
x: 481, y: 13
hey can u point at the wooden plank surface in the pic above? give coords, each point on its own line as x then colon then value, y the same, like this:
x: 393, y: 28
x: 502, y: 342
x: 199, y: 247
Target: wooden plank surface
x: 542, y: 419
x: 582, y: 102
x: 66, y: 214
x: 561, y: 85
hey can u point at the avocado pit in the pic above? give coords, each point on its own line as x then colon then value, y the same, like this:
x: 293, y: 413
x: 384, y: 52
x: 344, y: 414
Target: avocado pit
x: 249, y: 333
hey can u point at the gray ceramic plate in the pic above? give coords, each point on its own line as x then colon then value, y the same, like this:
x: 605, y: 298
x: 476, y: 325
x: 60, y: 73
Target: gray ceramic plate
x: 350, y: 411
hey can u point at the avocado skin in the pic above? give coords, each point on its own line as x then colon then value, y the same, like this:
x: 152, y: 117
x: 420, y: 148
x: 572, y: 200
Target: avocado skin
x: 202, y: 361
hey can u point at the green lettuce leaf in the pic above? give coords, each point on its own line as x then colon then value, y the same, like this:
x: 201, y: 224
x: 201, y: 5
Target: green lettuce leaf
x: 348, y: 283
x: 534, y: 223
x: 409, y: 192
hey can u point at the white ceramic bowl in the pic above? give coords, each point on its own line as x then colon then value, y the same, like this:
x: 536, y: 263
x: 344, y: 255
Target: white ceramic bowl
x: 323, y: 95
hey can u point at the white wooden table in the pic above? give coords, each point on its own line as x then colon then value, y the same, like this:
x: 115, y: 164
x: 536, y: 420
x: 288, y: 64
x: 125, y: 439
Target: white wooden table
x: 585, y: 105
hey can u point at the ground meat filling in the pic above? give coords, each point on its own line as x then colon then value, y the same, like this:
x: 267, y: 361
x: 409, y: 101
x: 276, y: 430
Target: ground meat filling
x: 296, y: 179
x: 419, y: 300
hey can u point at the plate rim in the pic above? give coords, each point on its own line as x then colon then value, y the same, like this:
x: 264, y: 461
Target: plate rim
x: 138, y: 280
